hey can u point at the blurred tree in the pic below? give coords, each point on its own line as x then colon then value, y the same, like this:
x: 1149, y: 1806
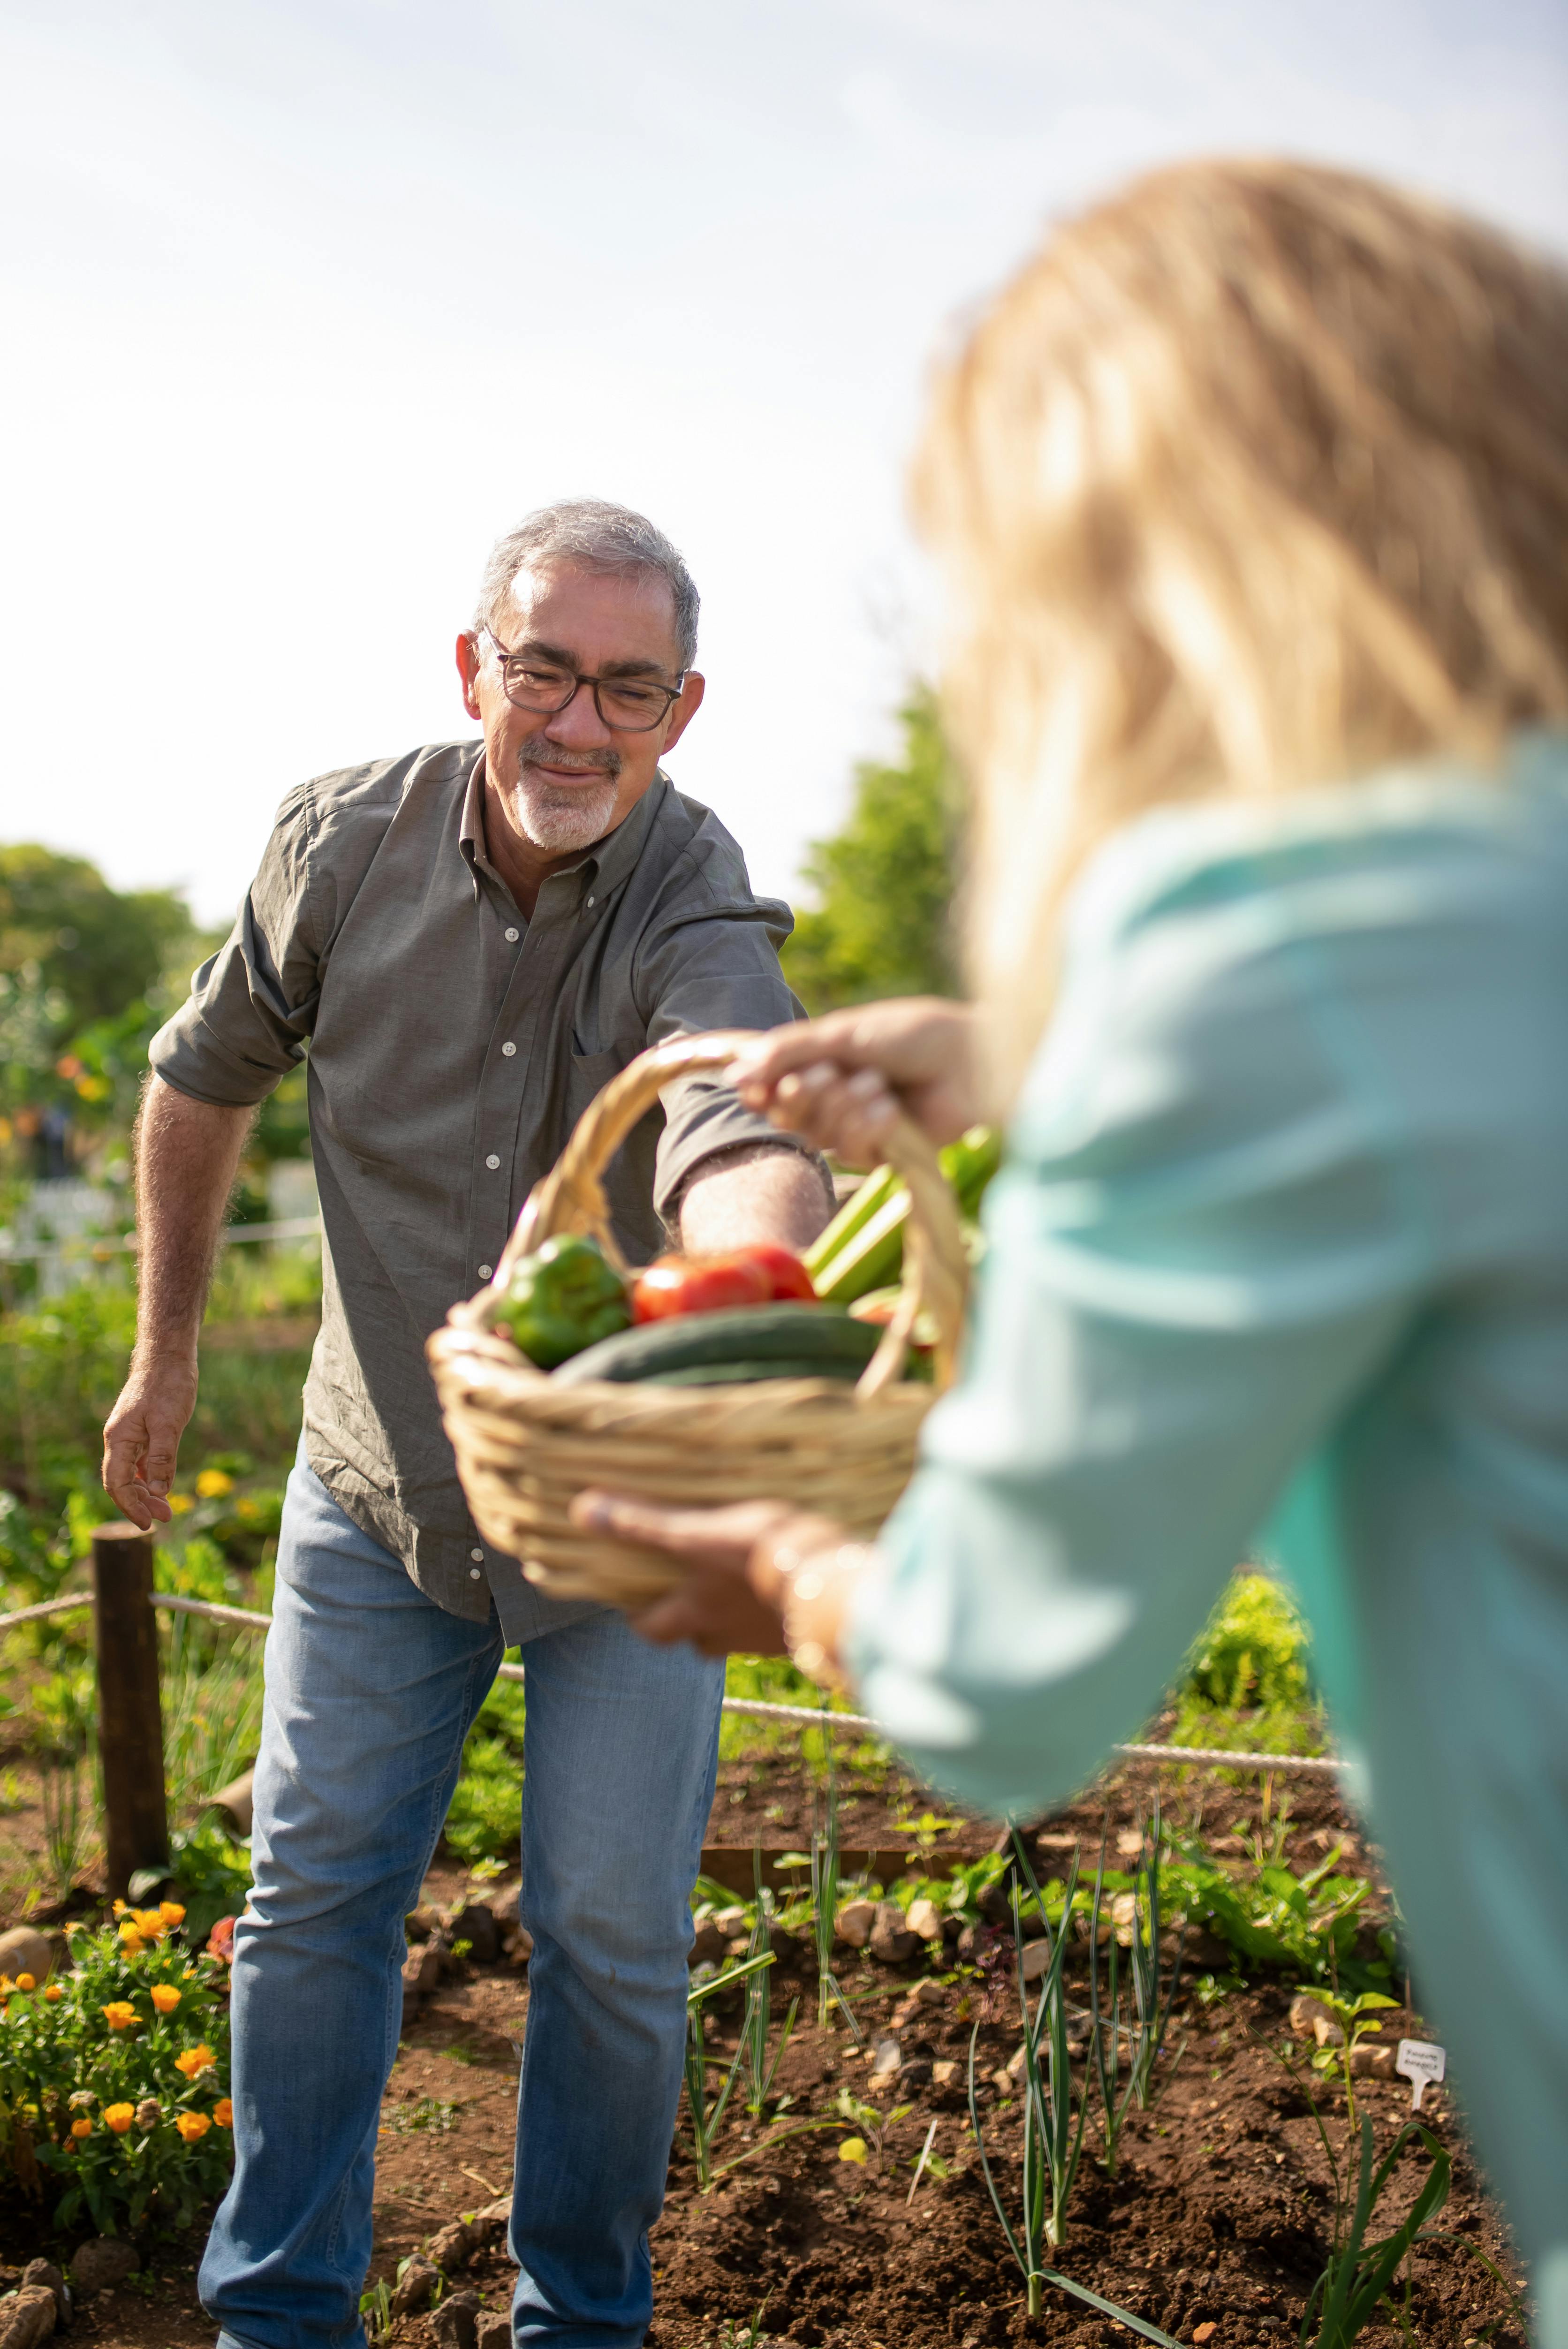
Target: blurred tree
x: 95, y: 948
x: 882, y: 924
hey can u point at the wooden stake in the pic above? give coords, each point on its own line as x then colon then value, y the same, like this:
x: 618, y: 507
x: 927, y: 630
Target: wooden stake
x: 130, y: 1716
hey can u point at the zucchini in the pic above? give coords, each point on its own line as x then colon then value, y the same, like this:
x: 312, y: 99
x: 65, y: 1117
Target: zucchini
x: 744, y: 1374
x: 804, y: 1340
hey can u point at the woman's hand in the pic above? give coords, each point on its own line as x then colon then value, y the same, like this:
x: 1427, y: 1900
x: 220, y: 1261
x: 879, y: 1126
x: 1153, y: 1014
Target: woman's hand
x: 842, y: 1081
x: 740, y: 1559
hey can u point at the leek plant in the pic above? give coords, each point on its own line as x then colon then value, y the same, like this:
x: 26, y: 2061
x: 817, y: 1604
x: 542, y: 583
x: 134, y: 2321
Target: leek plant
x: 825, y: 1897
x: 761, y: 2067
x: 707, y: 2117
x: 1352, y: 2287
x: 1154, y: 2007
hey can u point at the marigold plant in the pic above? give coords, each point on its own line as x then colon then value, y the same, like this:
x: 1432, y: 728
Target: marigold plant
x: 113, y: 2079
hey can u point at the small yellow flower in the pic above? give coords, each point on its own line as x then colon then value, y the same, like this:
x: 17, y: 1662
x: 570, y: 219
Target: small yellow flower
x: 131, y: 1941
x: 165, y: 1997
x: 119, y: 2117
x: 223, y: 2112
x: 171, y: 1912
x: 80, y: 2128
x: 854, y: 2148
x: 194, y: 2060
x: 26, y: 1982
x: 191, y: 2126
x: 53, y: 1993
x: 150, y: 1923
x: 119, y: 2014
x: 119, y: 1908
x: 179, y: 1502
x: 213, y: 1483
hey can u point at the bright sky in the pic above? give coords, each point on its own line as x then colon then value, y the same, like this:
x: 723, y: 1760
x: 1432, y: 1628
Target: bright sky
x: 308, y: 299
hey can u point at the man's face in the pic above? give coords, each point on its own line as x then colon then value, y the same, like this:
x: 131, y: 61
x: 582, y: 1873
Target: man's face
x: 566, y: 781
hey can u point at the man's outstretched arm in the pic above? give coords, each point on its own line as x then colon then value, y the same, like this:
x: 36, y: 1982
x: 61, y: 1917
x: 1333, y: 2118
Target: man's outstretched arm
x: 753, y: 1193
x: 186, y: 1154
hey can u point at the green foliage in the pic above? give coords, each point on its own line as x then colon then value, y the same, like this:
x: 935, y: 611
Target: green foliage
x: 1303, y: 1925
x: 884, y: 883
x: 486, y: 1818
x: 1250, y: 1669
x: 98, y: 2118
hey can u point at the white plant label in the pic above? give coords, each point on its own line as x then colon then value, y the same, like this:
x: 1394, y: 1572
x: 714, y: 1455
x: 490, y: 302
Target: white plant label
x: 1423, y: 2062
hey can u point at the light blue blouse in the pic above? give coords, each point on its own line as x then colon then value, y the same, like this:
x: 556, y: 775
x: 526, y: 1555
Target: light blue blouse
x: 1279, y: 1262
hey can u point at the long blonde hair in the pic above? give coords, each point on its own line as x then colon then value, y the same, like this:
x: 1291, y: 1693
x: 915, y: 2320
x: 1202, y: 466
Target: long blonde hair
x: 1255, y: 477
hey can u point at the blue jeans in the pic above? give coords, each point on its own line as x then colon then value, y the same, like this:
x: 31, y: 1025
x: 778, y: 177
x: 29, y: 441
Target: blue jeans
x: 370, y: 1692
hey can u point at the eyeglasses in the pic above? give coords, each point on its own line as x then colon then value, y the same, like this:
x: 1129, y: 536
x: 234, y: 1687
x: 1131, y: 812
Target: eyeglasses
x: 628, y: 705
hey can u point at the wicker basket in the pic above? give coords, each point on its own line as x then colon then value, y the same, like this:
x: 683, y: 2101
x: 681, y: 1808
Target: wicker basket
x: 526, y: 1445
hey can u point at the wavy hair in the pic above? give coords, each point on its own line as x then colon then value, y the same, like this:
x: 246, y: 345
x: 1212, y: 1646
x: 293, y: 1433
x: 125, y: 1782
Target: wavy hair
x: 1255, y: 477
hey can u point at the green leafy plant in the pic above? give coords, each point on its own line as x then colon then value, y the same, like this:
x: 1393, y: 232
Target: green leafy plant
x: 114, y: 2080
x: 706, y: 2113
x: 870, y: 2122
x: 1152, y: 2004
x: 762, y: 2068
x: 1356, y: 2017
x: 1353, y: 2285
x: 435, y: 2113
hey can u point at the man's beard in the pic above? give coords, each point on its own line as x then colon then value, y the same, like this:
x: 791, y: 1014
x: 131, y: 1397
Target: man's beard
x: 560, y: 818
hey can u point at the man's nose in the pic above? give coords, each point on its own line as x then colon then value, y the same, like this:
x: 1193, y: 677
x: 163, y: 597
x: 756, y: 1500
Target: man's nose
x: 579, y: 726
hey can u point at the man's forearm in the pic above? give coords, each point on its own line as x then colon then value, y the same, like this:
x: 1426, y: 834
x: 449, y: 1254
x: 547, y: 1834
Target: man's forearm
x: 186, y: 1154
x: 759, y: 1192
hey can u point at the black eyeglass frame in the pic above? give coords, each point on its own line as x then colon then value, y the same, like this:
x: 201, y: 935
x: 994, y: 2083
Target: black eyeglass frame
x: 579, y: 679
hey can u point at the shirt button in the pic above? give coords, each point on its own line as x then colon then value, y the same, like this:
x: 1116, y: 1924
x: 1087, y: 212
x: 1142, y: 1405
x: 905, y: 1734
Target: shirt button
x: 492, y: 1161
x: 509, y: 1050
x: 473, y: 1574
x: 589, y: 900
x: 511, y: 937
x: 477, y: 1555
x: 486, y: 1270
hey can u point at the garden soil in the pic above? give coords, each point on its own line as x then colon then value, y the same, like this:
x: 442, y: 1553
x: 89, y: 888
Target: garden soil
x: 1215, y: 2227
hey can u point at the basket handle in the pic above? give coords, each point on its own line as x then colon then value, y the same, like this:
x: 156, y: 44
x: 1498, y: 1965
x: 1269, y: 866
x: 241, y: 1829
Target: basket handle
x: 570, y: 1199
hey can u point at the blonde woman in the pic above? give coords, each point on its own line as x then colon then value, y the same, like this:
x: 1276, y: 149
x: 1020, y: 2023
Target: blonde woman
x: 1254, y: 493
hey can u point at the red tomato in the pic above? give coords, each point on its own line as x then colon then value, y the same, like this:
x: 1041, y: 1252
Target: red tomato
x: 788, y: 1276
x: 697, y: 1284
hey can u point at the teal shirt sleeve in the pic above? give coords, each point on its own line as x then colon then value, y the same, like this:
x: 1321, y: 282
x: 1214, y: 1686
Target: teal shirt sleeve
x: 1205, y: 1239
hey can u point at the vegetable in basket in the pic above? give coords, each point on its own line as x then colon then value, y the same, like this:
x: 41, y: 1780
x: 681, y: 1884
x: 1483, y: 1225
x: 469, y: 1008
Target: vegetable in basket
x: 564, y: 1296
x: 757, y: 1275
x: 863, y: 1248
x: 731, y: 1348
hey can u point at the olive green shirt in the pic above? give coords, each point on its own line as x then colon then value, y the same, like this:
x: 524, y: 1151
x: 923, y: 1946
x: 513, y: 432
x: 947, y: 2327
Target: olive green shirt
x: 452, y: 1046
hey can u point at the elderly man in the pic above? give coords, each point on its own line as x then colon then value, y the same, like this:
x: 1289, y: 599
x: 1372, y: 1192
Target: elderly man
x: 472, y: 939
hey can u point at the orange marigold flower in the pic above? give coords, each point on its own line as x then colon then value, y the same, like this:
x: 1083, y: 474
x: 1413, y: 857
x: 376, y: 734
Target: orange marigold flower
x: 213, y: 1483
x: 26, y: 1982
x: 191, y: 2126
x: 194, y: 2060
x: 223, y: 2112
x: 119, y: 1907
x: 119, y: 2014
x: 119, y: 2117
x: 131, y: 1941
x: 149, y: 1924
x: 165, y: 1997
x: 82, y: 2127
x: 53, y: 1993
x: 171, y: 1912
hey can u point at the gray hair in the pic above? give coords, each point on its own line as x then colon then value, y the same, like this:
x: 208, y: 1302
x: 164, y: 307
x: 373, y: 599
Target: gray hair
x: 604, y: 536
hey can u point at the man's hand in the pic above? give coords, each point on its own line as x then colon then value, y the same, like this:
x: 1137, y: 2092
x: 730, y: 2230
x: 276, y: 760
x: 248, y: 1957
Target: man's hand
x: 738, y: 1562
x: 842, y: 1081
x: 141, y: 1436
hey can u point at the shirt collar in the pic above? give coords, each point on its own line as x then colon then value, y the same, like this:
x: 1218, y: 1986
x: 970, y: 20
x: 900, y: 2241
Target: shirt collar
x: 609, y: 861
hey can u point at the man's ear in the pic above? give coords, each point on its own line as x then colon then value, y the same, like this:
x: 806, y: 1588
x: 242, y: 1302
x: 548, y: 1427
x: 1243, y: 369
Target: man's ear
x: 468, y: 652
x: 683, y: 711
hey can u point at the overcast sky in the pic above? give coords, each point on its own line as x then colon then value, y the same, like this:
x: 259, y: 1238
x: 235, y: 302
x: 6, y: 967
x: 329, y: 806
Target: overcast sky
x: 307, y: 299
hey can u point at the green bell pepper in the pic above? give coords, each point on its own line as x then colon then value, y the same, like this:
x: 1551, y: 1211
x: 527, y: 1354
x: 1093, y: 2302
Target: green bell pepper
x: 562, y: 1298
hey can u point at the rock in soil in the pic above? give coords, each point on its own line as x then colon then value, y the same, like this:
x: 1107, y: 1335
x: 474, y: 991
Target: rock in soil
x: 422, y: 1970
x: 422, y: 1921
x: 453, y: 2247
x: 892, y: 1940
x: 708, y: 1947
x: 854, y: 1921
x: 414, y: 2289
x: 494, y: 2220
x: 478, y: 1928
x: 924, y: 1918
x: 25, y: 1951
x: 495, y: 2329
x: 1373, y: 2062
x: 45, y: 2272
x: 456, y: 2324
x: 102, y: 2263
x: 1310, y: 2019
x: 27, y: 2320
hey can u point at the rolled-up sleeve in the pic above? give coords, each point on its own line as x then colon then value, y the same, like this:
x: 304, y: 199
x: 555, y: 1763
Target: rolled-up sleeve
x: 1201, y: 1244
x: 252, y: 1005
x: 713, y: 964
